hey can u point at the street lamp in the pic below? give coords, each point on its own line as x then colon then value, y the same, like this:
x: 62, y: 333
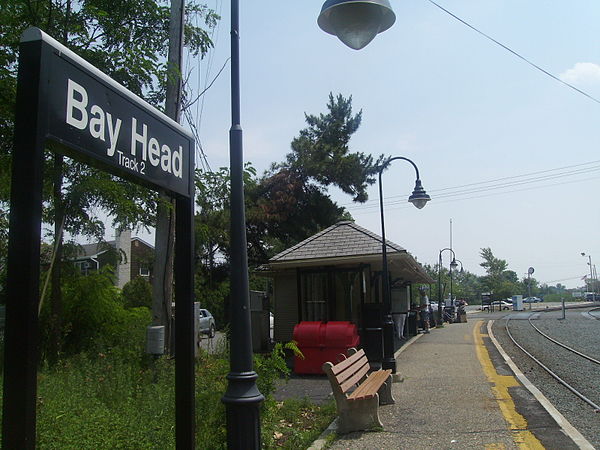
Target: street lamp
x: 242, y: 398
x: 592, y: 284
x: 452, y: 265
x: 356, y: 23
x: 419, y: 198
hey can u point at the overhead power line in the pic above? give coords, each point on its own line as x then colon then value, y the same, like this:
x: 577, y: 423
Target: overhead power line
x: 498, y: 186
x: 508, y: 49
x: 402, y: 205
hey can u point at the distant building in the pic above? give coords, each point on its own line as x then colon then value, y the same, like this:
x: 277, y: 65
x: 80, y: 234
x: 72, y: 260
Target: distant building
x: 131, y: 257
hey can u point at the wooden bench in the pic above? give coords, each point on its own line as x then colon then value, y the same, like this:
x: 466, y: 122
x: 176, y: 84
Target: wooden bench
x: 357, y: 393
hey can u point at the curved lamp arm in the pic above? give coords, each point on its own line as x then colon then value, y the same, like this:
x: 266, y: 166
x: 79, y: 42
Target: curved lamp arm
x: 419, y: 197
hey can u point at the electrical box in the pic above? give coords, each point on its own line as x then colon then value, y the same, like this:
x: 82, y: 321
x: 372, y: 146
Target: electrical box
x: 517, y: 302
x: 155, y: 340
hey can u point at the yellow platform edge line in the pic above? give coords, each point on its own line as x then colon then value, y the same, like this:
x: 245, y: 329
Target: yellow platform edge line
x: 517, y: 424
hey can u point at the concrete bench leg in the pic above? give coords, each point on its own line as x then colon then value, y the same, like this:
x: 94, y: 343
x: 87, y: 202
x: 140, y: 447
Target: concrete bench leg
x: 385, y: 393
x: 359, y: 415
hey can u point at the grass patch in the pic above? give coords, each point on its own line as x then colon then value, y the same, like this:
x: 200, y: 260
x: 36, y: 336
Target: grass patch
x: 96, y: 401
x: 297, y: 423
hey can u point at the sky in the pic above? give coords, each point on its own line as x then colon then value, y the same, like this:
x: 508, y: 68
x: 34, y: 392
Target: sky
x: 507, y: 153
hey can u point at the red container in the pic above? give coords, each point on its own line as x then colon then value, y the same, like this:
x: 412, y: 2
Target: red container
x: 320, y: 342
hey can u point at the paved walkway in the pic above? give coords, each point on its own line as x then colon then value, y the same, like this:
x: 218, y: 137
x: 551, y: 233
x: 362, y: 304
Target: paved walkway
x: 455, y: 392
x: 445, y: 400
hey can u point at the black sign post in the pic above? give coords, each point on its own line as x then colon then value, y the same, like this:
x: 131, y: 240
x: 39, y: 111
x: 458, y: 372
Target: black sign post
x: 63, y: 99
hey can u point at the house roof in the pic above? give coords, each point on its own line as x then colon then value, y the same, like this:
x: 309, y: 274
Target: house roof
x: 339, y: 240
x: 93, y: 250
x: 347, y: 242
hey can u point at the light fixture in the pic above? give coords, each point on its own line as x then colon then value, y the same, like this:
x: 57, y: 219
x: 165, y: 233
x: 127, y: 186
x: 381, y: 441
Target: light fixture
x: 419, y: 197
x: 356, y: 22
x: 453, y: 264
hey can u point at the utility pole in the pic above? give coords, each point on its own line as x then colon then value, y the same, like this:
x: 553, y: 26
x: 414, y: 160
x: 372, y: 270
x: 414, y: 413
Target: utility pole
x: 185, y: 415
x: 162, y: 281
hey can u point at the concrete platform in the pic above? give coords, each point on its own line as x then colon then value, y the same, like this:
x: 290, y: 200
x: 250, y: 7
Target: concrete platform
x: 456, y: 392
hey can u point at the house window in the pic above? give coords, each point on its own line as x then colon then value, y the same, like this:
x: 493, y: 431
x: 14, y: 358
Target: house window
x: 144, y: 272
x: 331, y: 294
x: 315, y: 293
x: 83, y: 266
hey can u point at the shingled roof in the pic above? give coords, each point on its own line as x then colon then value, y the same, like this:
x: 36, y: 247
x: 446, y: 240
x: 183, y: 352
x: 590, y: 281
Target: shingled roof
x: 340, y: 240
x: 346, y: 243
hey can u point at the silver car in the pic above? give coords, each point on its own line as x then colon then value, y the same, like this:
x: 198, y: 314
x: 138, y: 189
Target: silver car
x: 206, y: 323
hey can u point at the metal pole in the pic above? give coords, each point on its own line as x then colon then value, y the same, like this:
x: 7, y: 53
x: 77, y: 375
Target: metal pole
x: 389, y: 362
x: 242, y: 399
x: 185, y: 399
x: 451, y: 298
x: 595, y: 282
x: 529, y: 288
x: 440, y: 280
x: 440, y: 315
x: 21, y: 332
x: 592, y: 287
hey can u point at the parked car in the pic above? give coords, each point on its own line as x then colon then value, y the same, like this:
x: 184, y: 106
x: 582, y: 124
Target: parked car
x: 207, y: 323
x: 502, y: 304
x: 532, y: 300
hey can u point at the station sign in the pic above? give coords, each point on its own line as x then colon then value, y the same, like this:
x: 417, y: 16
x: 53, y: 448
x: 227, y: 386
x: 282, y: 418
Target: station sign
x: 91, y: 114
x: 66, y: 105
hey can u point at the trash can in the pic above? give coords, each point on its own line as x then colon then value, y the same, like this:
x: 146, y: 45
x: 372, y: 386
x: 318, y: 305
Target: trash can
x: 412, y: 323
x: 320, y: 342
x: 372, y: 333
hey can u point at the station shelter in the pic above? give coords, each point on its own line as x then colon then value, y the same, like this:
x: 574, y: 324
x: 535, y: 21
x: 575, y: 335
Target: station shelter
x: 336, y: 276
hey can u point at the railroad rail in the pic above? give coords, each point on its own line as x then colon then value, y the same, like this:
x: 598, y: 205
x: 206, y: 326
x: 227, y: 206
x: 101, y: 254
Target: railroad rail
x: 581, y: 396
x: 593, y: 315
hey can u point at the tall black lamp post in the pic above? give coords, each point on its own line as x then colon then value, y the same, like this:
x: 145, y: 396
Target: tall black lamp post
x: 453, y: 265
x: 593, y: 287
x: 419, y: 198
x: 356, y: 23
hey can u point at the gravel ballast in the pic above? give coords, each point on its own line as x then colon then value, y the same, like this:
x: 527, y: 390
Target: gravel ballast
x: 579, y: 331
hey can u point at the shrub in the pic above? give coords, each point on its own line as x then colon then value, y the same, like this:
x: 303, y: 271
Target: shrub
x: 136, y: 293
x: 213, y: 300
x: 94, y: 319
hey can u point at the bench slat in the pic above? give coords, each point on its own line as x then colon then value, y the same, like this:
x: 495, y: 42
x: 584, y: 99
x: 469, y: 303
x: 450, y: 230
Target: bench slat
x: 356, y: 377
x: 347, y: 362
x: 368, y: 388
x: 350, y: 371
x: 371, y: 385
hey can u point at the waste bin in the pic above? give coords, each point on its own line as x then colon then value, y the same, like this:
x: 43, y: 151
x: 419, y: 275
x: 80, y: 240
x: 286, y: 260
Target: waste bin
x: 320, y: 342
x: 412, y: 323
x: 372, y: 333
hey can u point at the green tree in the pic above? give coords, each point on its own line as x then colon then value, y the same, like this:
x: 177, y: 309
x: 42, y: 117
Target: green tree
x: 126, y: 40
x: 291, y: 201
x: 500, y: 281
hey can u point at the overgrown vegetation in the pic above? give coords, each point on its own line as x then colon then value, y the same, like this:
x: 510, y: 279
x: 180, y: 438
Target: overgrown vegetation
x: 105, y: 392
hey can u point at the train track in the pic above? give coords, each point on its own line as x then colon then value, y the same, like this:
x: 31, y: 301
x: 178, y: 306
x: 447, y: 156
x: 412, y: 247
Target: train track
x: 595, y: 316
x: 567, y: 385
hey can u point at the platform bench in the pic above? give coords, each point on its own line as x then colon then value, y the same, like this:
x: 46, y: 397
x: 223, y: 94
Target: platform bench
x: 357, y: 392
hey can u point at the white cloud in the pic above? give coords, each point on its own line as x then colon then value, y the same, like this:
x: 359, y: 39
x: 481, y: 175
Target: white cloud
x: 582, y: 74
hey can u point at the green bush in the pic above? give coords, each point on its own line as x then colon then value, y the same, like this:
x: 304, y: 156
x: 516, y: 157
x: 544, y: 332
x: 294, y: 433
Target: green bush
x: 136, y: 293
x: 94, y: 318
x: 213, y: 300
